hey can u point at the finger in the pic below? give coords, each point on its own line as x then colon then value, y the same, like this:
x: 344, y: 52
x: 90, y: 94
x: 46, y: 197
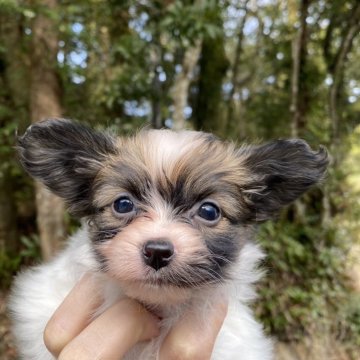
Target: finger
x: 192, y: 338
x: 73, y: 315
x: 113, y: 333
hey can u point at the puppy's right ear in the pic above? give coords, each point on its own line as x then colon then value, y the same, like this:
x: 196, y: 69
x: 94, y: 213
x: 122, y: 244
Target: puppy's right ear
x: 65, y: 156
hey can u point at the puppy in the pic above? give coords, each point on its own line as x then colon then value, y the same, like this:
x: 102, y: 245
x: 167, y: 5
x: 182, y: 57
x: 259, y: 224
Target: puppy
x: 168, y: 221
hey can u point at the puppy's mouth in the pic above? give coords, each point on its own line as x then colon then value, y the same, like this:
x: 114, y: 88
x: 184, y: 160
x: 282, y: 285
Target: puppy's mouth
x: 189, y: 276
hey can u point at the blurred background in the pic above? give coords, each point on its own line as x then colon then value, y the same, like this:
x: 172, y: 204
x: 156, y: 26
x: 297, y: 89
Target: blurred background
x: 245, y: 70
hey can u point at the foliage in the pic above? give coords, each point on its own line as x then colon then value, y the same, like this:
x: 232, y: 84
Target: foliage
x: 10, y: 263
x: 118, y: 62
x: 31, y: 248
x: 189, y: 22
x: 306, y: 282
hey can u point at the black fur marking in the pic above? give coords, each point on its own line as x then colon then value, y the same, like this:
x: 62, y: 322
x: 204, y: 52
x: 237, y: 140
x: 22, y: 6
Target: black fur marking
x: 184, y: 194
x: 66, y: 157
x: 224, y: 249
x: 98, y: 237
x: 198, y: 275
x: 214, y: 267
x: 101, y: 259
x: 194, y: 275
x: 282, y: 170
x: 135, y: 181
x: 103, y: 235
x: 181, y: 195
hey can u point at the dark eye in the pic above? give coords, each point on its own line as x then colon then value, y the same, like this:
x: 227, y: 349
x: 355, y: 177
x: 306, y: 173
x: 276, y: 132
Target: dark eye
x: 209, y: 212
x: 123, y: 205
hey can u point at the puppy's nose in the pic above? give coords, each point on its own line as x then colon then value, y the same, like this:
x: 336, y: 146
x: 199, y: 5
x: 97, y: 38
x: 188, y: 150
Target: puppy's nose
x: 158, y: 253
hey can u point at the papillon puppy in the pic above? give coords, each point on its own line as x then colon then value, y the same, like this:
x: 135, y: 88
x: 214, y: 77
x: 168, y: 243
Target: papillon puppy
x: 168, y: 220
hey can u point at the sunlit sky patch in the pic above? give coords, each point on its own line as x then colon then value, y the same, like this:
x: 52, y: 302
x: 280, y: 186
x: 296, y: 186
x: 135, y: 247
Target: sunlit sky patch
x: 136, y: 108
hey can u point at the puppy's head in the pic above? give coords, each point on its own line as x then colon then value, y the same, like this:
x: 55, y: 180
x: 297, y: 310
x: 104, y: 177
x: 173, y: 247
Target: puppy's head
x: 168, y: 211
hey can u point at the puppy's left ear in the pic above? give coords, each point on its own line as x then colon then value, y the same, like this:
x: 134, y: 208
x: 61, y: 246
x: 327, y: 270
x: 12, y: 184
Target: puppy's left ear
x: 279, y: 172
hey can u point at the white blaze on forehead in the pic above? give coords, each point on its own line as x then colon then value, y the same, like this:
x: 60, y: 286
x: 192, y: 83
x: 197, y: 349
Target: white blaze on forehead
x: 159, y: 209
x: 163, y: 148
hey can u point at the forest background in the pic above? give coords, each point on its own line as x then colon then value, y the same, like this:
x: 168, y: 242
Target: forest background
x: 245, y: 70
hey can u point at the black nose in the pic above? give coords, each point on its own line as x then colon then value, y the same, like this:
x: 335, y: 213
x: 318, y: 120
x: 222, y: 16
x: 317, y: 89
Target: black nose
x: 158, y: 253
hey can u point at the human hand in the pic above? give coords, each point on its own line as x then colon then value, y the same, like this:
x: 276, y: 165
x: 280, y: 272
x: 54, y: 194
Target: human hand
x: 70, y: 333
x: 190, y: 338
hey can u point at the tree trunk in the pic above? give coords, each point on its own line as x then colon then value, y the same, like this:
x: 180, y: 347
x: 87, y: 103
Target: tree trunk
x: 338, y: 71
x: 213, y: 67
x: 234, y: 76
x: 156, y: 118
x: 45, y: 102
x: 298, y: 107
x: 8, y: 230
x: 181, y: 86
x: 14, y: 98
x: 156, y: 59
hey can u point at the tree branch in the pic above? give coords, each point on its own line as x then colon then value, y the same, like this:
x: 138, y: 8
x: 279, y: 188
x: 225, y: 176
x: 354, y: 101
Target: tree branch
x: 338, y: 69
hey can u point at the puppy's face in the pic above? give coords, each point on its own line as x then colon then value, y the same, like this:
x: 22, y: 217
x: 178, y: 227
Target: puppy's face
x: 168, y: 212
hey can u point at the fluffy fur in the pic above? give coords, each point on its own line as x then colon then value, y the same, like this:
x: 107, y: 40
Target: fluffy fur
x: 188, y: 190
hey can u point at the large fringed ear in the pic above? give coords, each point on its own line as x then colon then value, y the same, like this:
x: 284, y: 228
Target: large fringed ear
x: 65, y: 156
x: 279, y: 172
